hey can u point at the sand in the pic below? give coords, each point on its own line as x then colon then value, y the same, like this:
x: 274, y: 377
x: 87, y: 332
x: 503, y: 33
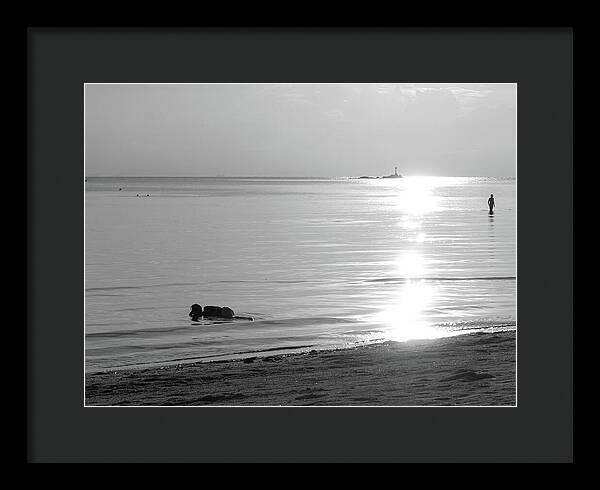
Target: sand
x: 475, y: 370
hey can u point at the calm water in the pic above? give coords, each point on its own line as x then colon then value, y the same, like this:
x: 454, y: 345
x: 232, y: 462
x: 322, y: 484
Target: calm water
x: 318, y: 263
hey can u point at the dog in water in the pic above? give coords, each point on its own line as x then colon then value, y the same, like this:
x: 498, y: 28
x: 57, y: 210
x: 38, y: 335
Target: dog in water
x: 197, y: 311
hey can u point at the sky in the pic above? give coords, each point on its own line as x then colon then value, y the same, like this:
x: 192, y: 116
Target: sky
x: 300, y: 130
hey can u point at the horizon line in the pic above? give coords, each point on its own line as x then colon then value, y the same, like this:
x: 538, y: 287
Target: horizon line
x: 272, y: 176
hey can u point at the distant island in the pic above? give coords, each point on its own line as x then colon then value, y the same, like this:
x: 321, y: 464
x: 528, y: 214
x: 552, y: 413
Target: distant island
x: 395, y: 175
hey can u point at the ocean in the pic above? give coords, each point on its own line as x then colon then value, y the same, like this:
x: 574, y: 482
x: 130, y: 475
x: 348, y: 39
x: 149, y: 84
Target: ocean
x: 317, y: 263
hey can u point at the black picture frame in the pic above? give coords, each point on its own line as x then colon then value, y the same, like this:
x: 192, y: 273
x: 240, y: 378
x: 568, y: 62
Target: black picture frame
x: 61, y: 429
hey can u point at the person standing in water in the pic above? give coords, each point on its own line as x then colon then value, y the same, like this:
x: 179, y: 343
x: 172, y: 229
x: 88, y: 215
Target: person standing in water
x: 491, y: 203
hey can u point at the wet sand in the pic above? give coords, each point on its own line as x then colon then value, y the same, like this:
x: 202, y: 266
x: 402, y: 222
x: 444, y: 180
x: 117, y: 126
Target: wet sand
x: 477, y: 369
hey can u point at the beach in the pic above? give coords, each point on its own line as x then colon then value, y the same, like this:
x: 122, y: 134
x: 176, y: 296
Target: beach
x: 477, y: 369
x: 348, y: 292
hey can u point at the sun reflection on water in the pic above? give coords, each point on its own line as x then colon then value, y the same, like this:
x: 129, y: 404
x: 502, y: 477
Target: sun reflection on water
x: 415, y: 195
x: 409, y: 224
x: 410, y: 264
x: 407, y: 313
x: 405, y: 317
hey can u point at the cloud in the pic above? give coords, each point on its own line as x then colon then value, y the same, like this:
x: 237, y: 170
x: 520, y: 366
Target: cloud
x: 298, y: 129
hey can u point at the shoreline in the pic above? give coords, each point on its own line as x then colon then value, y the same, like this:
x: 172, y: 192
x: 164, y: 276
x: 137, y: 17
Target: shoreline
x: 476, y: 369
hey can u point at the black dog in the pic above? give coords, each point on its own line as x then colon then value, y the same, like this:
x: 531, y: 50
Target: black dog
x: 196, y: 312
x: 214, y: 312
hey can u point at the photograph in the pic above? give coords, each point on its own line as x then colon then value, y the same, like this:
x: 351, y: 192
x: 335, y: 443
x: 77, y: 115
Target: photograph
x: 300, y: 244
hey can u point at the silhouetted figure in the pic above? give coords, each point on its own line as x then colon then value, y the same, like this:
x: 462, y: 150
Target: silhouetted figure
x: 491, y: 203
x: 213, y: 311
x: 196, y: 312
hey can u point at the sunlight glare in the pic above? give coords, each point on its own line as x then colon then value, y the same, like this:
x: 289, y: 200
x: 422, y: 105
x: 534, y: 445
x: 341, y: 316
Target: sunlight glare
x: 410, y: 265
x: 416, y: 195
x: 405, y: 319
